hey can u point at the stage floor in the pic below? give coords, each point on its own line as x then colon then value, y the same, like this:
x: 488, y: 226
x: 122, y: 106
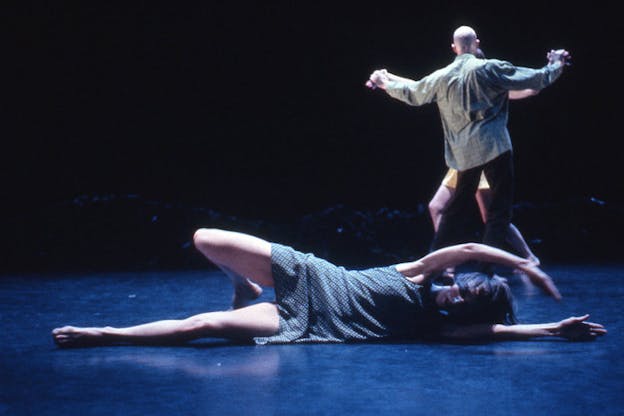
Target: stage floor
x: 542, y: 377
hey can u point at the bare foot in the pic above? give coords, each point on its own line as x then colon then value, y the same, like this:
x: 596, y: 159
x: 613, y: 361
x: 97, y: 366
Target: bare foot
x: 535, y: 261
x: 245, y: 291
x: 70, y: 336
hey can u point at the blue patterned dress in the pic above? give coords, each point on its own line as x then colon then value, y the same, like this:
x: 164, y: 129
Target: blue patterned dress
x: 321, y: 302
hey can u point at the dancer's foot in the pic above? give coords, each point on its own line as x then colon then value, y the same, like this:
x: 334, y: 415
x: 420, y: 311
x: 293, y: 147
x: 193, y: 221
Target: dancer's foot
x: 245, y: 291
x: 70, y: 336
x: 535, y: 261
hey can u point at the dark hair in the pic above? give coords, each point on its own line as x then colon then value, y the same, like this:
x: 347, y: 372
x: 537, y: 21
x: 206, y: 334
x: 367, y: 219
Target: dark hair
x: 487, y: 299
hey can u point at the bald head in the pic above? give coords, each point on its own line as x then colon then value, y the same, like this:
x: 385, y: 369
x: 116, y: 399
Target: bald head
x: 465, y: 40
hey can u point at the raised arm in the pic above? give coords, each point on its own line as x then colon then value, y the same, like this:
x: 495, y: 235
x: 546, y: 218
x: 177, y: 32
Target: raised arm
x: 452, y: 256
x: 575, y: 328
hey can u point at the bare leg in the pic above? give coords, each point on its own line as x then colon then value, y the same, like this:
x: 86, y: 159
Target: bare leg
x: 516, y: 240
x: 483, y: 200
x: 257, y: 320
x: 514, y: 237
x: 244, y: 258
x: 438, y: 204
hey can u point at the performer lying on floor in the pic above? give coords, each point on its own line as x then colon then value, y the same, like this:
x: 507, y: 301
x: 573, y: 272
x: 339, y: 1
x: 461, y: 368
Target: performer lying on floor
x: 317, y: 301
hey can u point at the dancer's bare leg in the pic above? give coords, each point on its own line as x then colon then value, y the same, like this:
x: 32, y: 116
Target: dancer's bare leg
x: 244, y: 258
x: 483, y: 200
x: 261, y: 319
x: 516, y: 240
x: 438, y: 204
x: 514, y: 237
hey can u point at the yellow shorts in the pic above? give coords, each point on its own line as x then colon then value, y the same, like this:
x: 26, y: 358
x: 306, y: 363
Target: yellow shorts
x: 450, y: 180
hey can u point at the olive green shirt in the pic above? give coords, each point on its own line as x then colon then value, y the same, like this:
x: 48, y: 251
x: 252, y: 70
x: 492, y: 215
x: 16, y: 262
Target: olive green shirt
x: 472, y: 96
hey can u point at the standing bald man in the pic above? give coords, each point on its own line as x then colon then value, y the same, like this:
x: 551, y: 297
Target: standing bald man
x: 472, y: 97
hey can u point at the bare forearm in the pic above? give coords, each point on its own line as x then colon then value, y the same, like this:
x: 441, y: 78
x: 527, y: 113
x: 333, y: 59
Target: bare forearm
x: 455, y: 255
x: 525, y: 331
x: 499, y: 332
x: 574, y: 328
x: 461, y: 253
x: 484, y: 253
x: 536, y: 275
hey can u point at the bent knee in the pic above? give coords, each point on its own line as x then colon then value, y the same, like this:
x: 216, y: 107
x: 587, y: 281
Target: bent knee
x: 206, y: 237
x: 203, y: 234
x: 435, y: 208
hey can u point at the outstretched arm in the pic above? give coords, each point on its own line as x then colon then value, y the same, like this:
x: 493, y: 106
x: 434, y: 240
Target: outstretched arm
x: 407, y: 90
x: 383, y: 79
x: 575, y: 328
x: 452, y: 256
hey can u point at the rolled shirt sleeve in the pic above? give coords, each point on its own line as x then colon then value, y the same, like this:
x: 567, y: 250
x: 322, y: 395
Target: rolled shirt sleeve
x: 510, y: 77
x: 414, y: 93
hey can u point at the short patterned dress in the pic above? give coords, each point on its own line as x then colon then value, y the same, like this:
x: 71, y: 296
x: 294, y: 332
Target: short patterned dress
x: 321, y: 302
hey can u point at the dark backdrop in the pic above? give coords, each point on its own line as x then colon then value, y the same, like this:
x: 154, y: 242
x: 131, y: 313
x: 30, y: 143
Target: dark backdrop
x: 259, y: 110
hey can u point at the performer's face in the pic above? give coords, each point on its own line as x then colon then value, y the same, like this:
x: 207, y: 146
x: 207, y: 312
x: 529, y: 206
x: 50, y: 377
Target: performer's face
x: 449, y: 297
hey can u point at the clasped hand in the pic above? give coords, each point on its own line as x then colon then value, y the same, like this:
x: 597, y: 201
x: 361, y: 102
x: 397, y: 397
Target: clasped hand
x: 378, y: 79
x: 559, y: 55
